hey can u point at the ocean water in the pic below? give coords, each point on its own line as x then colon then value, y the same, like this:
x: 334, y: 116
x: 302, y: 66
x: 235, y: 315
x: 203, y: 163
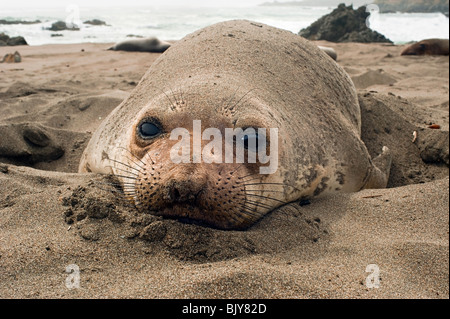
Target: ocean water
x: 174, y: 22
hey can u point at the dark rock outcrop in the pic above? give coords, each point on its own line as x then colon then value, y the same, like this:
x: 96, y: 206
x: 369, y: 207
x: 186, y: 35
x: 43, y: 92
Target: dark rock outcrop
x: 344, y: 24
x: 61, y: 25
x: 95, y: 22
x: 5, y: 40
x: 2, y: 21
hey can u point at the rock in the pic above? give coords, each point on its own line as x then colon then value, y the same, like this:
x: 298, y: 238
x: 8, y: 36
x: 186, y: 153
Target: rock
x: 17, y: 41
x: 6, y: 40
x: 4, y: 37
x: 344, y: 24
x: 2, y: 21
x: 95, y: 22
x: 61, y: 25
x: 434, y: 146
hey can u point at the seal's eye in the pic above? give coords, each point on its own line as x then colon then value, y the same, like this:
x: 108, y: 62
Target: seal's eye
x: 148, y: 130
x: 251, y: 142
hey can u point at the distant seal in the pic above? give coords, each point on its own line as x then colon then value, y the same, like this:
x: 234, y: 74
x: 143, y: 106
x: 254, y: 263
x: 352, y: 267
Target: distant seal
x: 12, y: 58
x: 237, y: 74
x: 151, y: 44
x: 428, y: 47
x: 330, y: 51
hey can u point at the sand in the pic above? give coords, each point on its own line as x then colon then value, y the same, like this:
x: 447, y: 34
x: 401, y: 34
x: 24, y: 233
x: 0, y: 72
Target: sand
x: 51, y: 217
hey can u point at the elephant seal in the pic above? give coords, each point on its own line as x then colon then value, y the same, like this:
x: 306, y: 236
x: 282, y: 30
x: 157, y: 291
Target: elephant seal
x: 151, y: 44
x: 237, y: 74
x: 12, y: 58
x: 330, y: 51
x: 428, y: 47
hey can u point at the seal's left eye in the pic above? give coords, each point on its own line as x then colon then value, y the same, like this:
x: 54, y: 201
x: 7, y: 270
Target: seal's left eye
x: 149, y: 130
x: 250, y: 142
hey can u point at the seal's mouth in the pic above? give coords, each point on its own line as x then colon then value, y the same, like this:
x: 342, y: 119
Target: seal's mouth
x: 188, y: 213
x: 182, y: 210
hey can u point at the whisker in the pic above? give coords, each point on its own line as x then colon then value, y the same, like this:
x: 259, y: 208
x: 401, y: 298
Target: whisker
x: 148, y: 154
x: 231, y: 99
x: 132, y: 161
x: 250, y: 180
x: 115, y: 188
x: 181, y: 94
x: 120, y: 169
x: 265, y: 190
x: 267, y: 197
x: 124, y: 202
x: 258, y: 204
x: 232, y: 108
x: 271, y: 215
x: 259, y: 217
x: 237, y: 169
x: 245, y: 214
x: 260, y: 196
x: 120, y: 147
x: 248, y: 211
x: 277, y: 184
x: 123, y: 176
x: 174, y: 106
x: 125, y: 165
x: 248, y: 176
x: 174, y: 96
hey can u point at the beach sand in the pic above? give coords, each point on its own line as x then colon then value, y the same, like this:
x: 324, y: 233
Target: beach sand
x: 51, y: 217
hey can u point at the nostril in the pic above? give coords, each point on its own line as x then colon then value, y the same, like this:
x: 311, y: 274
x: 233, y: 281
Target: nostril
x: 176, y: 195
x: 183, y: 195
x: 183, y: 191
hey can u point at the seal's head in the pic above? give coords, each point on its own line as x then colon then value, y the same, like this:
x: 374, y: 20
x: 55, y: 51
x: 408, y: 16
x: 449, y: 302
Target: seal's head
x: 203, y: 186
x: 428, y: 47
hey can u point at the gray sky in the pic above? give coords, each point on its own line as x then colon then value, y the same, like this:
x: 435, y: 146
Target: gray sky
x: 63, y: 3
x: 191, y: 3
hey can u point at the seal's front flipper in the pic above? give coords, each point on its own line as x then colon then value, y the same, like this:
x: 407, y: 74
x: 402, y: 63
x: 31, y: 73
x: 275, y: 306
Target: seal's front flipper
x: 379, y: 176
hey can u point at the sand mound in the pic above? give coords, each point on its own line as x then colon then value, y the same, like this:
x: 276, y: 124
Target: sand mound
x: 94, y: 207
x: 36, y: 129
x: 384, y: 123
x: 372, y: 77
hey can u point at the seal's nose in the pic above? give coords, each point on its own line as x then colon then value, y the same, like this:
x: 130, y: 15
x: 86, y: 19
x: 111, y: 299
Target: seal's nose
x: 184, y: 191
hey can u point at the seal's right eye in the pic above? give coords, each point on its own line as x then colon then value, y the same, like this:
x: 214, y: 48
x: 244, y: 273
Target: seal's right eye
x: 148, y: 130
